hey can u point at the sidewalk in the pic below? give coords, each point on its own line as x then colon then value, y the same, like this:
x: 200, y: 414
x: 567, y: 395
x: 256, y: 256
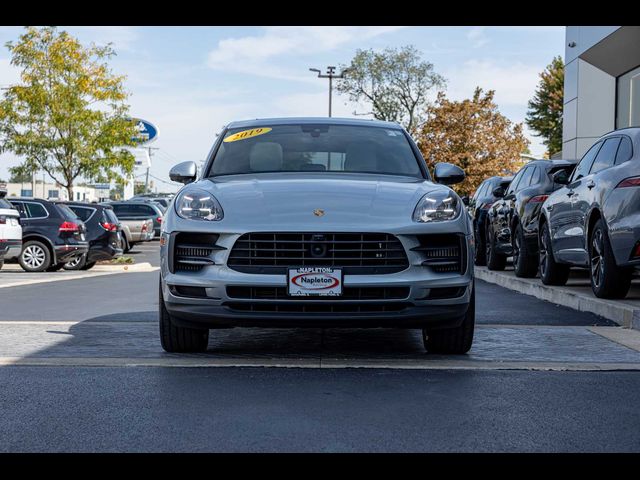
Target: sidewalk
x: 576, y: 294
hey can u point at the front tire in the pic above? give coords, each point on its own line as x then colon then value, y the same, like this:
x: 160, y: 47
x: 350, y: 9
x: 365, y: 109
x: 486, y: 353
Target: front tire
x: 607, y: 279
x: 481, y: 249
x: 456, y: 341
x: 551, y: 272
x: 176, y: 339
x: 35, y: 257
x: 77, y: 263
x: 495, y: 260
x: 525, y: 264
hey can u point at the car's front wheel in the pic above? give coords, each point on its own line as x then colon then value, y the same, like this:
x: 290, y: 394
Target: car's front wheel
x: 551, y: 272
x: 607, y: 279
x: 35, y: 257
x: 456, y: 340
x: 525, y: 263
x: 175, y: 339
x: 495, y: 260
x: 77, y: 263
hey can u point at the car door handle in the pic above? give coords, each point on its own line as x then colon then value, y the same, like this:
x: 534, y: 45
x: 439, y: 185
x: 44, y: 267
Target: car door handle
x: 591, y: 184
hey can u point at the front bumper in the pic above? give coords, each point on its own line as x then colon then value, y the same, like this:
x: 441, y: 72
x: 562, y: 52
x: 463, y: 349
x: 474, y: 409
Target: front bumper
x: 416, y: 310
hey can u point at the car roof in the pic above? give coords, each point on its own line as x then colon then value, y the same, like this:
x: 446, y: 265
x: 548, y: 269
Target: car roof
x: 29, y: 199
x: 550, y: 163
x: 83, y: 204
x: 262, y: 122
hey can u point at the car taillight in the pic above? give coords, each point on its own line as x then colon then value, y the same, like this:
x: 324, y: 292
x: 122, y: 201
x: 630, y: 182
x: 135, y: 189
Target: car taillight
x: 636, y: 251
x: 159, y: 219
x: 109, y: 227
x: 144, y: 227
x: 69, y: 227
x: 629, y: 182
x: 538, y: 199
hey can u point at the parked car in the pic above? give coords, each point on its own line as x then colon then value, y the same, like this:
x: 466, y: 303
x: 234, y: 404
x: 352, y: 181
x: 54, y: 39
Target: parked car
x: 135, y: 231
x: 10, y: 230
x: 163, y: 201
x: 316, y: 222
x: 479, y: 205
x: 139, y: 210
x: 52, y: 234
x: 103, y: 234
x: 593, y: 221
x: 512, y: 221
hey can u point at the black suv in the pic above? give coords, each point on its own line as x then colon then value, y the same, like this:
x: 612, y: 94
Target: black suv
x: 52, y: 235
x: 103, y: 234
x: 512, y: 222
x: 479, y: 205
x: 140, y: 209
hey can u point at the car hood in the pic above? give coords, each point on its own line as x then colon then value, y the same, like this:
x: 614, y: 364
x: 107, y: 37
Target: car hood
x: 274, y: 201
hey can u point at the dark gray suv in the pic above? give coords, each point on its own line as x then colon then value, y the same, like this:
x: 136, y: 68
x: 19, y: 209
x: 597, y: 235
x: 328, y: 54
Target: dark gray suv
x: 594, y: 220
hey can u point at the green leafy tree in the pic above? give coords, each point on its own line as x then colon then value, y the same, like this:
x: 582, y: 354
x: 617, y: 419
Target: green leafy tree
x: 68, y: 115
x: 20, y: 174
x: 394, y: 83
x: 544, y: 115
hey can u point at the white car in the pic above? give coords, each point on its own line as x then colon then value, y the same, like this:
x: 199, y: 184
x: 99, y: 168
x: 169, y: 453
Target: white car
x: 10, y: 232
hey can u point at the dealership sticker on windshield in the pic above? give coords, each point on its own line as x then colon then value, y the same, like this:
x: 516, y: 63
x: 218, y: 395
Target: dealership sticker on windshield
x: 243, y: 135
x: 315, y: 281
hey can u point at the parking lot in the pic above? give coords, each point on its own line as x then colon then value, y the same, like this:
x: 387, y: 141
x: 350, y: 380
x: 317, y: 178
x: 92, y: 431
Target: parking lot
x: 84, y: 347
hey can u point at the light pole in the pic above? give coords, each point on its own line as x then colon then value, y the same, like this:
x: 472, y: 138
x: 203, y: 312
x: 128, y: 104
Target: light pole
x: 330, y: 75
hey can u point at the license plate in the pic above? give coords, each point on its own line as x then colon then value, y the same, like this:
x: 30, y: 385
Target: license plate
x: 314, y: 282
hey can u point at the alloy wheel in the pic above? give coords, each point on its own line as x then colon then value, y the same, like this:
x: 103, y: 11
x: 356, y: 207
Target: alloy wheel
x: 75, y: 262
x: 597, y: 260
x: 543, y: 252
x: 33, y: 256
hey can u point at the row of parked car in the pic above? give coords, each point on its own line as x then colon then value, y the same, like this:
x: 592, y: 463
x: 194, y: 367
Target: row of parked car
x: 44, y: 235
x: 553, y: 215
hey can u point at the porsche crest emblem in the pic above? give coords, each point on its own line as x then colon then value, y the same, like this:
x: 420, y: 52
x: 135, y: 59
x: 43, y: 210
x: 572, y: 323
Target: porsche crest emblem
x: 318, y: 212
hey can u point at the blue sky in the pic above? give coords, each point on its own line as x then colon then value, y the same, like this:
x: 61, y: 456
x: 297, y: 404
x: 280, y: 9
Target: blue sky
x: 190, y: 81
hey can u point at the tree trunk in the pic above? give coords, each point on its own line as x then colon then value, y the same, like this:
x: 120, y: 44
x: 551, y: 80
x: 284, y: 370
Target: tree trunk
x: 70, y: 192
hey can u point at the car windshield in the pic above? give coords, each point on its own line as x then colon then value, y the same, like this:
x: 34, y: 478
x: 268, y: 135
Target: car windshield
x: 315, y: 148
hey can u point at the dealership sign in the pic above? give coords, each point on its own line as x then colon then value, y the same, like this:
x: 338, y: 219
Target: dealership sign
x: 147, y: 132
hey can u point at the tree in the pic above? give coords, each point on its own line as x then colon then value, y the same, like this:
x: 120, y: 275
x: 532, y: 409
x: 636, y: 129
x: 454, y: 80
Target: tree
x: 68, y: 115
x: 544, y: 115
x: 395, y: 83
x: 20, y: 174
x: 474, y: 135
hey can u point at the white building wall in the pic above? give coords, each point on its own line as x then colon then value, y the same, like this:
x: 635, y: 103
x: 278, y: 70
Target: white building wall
x: 589, y: 93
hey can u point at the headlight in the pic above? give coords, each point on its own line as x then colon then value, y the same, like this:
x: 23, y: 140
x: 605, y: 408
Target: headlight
x: 195, y: 204
x: 437, y: 206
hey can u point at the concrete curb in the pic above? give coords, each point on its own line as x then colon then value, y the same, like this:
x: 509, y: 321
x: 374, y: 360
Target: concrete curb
x: 618, y: 312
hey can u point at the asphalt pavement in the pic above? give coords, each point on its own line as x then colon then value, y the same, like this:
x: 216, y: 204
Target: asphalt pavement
x: 82, y: 370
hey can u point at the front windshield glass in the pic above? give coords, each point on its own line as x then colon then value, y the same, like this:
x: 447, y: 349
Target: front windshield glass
x: 315, y: 148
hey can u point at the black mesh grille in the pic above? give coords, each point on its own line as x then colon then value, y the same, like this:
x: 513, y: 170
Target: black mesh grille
x: 305, y: 307
x: 443, y: 252
x: 355, y: 253
x: 192, y: 251
x: 348, y: 293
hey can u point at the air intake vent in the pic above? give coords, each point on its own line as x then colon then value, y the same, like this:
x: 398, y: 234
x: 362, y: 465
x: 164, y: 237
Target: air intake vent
x: 193, y: 251
x: 348, y: 293
x: 355, y: 253
x: 443, y: 253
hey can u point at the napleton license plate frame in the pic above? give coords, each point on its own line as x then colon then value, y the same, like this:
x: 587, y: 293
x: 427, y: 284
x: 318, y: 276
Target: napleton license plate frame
x: 300, y: 273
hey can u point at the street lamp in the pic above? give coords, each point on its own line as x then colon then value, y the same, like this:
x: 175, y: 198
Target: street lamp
x: 330, y: 75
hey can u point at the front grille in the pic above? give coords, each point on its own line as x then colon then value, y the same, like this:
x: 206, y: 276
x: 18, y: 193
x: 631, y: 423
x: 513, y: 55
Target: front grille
x: 443, y: 252
x: 304, y: 307
x: 348, y: 293
x: 355, y: 253
x: 193, y: 251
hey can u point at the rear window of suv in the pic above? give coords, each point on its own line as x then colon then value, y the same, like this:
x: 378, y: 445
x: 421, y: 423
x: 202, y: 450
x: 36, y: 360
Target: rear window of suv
x: 5, y: 204
x: 66, y: 212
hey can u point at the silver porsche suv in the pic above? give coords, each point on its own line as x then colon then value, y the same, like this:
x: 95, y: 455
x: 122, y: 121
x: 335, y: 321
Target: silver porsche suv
x: 316, y: 222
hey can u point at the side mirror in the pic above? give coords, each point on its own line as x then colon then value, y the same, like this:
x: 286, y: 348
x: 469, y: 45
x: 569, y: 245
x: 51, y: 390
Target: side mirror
x: 448, y: 174
x: 465, y: 200
x: 498, y: 192
x: 184, y: 172
x: 561, y: 177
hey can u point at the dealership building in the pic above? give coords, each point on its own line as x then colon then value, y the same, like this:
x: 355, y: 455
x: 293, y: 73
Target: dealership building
x: 601, y: 85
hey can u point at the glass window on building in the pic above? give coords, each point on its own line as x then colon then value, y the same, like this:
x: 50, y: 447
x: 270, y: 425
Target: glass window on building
x: 26, y: 193
x: 53, y: 194
x: 628, y: 111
